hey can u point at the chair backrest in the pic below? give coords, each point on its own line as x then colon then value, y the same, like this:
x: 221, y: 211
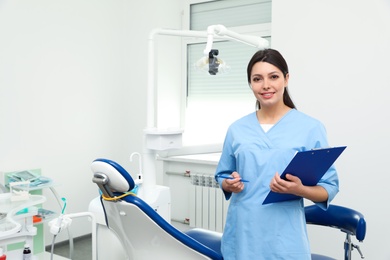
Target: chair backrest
x: 144, y: 234
x: 347, y: 220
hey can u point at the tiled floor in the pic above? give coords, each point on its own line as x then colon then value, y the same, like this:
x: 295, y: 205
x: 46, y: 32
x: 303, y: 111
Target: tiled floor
x: 82, y: 248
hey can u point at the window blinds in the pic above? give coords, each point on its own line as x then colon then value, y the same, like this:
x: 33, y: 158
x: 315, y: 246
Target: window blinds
x: 231, y: 83
x: 231, y: 13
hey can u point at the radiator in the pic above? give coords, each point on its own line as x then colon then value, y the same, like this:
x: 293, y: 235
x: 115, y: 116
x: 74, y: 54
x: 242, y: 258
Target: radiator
x: 208, y: 206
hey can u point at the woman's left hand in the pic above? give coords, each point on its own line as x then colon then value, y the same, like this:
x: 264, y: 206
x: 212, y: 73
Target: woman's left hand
x: 292, y: 185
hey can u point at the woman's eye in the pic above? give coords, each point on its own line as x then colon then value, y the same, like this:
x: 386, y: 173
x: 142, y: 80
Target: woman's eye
x: 256, y: 79
x: 274, y: 76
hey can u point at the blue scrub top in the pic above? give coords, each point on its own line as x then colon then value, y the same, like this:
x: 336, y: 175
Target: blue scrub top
x: 277, y: 230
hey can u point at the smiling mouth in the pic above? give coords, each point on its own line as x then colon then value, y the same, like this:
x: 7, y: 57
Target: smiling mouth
x: 267, y: 95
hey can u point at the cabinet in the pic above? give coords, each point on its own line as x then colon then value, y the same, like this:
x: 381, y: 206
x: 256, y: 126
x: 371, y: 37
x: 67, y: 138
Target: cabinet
x: 16, y: 226
x: 19, y: 223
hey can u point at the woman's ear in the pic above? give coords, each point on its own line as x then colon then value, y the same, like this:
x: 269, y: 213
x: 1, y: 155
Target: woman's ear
x: 286, y: 78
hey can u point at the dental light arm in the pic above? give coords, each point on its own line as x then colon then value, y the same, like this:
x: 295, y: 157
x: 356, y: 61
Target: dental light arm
x: 222, y: 31
x: 213, y: 32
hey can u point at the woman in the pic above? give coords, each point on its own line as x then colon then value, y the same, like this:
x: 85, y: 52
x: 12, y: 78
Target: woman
x: 257, y: 148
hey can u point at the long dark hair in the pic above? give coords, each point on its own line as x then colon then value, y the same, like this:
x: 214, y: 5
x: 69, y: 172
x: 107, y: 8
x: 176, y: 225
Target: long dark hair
x: 275, y: 58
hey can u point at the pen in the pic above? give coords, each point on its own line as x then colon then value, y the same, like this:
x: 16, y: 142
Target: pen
x: 231, y: 178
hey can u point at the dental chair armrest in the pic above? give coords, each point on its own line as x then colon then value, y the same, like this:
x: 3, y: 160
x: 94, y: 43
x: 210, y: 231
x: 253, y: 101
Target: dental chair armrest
x: 211, y: 239
x: 347, y: 220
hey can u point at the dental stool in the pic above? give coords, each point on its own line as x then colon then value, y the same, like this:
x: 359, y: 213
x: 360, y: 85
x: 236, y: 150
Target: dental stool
x: 143, y: 233
x: 346, y: 220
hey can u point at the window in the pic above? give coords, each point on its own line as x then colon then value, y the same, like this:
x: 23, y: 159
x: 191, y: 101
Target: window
x: 231, y: 13
x: 215, y: 101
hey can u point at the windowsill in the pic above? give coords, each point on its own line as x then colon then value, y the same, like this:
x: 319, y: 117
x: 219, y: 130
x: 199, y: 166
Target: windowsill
x: 191, y: 150
x: 205, y: 158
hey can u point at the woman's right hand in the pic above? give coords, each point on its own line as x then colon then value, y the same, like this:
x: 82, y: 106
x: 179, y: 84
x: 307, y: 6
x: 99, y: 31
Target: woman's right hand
x: 233, y: 185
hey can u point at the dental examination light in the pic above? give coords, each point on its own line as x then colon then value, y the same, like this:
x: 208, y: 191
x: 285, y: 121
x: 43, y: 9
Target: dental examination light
x: 212, y: 64
x: 153, y: 138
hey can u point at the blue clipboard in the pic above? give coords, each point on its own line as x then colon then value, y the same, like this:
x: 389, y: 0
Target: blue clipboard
x: 309, y: 166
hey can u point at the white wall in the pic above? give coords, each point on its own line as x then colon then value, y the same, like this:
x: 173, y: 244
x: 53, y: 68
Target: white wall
x: 338, y: 53
x: 73, y: 87
x: 73, y: 78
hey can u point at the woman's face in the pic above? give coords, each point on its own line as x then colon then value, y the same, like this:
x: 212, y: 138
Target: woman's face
x: 268, y: 83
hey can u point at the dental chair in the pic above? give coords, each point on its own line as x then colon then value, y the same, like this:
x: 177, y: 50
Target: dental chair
x: 144, y: 234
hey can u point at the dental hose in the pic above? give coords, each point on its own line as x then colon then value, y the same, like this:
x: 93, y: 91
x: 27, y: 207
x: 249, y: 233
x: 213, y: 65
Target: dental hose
x: 59, y: 224
x: 70, y: 236
x: 52, y: 247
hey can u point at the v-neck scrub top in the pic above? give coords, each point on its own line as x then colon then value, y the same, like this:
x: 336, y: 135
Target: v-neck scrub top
x: 278, y: 230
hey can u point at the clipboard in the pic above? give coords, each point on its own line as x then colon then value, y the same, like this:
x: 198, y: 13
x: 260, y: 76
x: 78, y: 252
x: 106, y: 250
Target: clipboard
x: 309, y: 166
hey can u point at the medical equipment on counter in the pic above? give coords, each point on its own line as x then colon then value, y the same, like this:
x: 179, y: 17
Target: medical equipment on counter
x: 34, y: 179
x: 3, y: 189
x: 144, y: 234
x: 2, y: 255
x: 24, y: 176
x: 17, y: 226
x: 36, y: 182
x: 17, y: 190
x: 27, y: 255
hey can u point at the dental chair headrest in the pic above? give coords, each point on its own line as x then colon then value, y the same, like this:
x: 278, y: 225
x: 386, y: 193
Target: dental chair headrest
x: 119, y: 180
